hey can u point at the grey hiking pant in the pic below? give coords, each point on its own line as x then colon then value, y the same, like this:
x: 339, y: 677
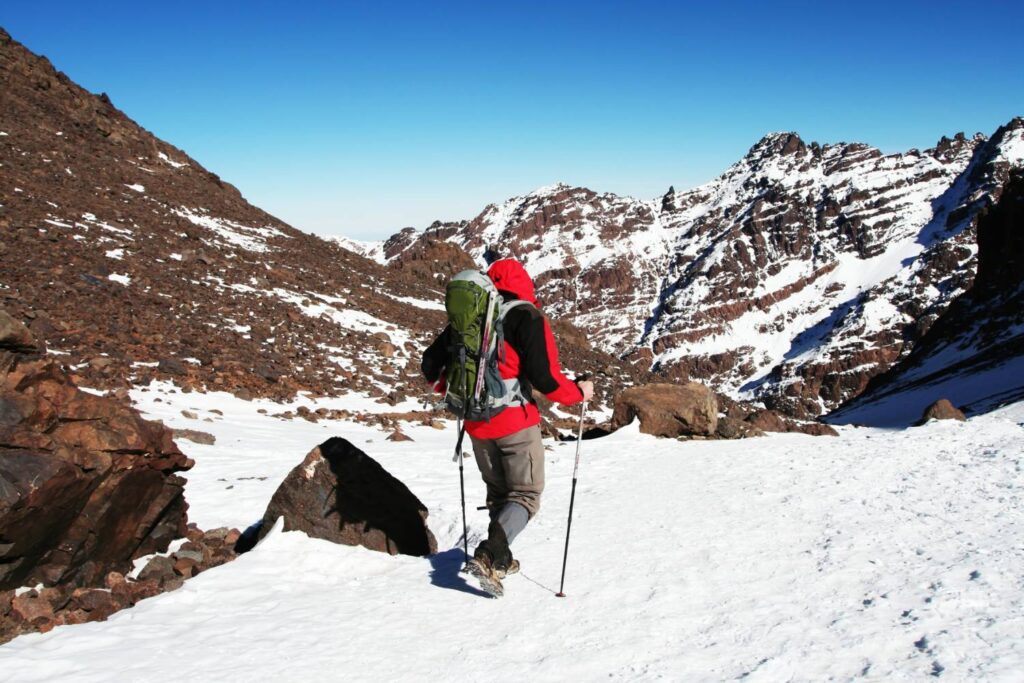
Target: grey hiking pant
x: 513, y: 470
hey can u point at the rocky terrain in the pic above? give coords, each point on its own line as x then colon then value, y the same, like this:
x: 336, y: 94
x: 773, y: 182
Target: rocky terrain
x: 133, y: 262
x: 86, y: 488
x: 974, y: 352
x: 793, y: 278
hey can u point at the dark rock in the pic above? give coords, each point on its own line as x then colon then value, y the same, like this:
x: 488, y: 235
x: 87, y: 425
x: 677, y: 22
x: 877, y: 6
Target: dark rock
x: 769, y: 421
x: 140, y: 590
x: 732, y: 428
x: 160, y: 568
x: 14, y: 336
x: 341, y: 494
x: 97, y: 602
x: 668, y: 410
x: 86, y: 485
x: 172, y: 366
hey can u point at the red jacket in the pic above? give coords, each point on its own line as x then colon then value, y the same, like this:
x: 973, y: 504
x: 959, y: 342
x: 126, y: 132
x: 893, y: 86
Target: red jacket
x: 530, y: 355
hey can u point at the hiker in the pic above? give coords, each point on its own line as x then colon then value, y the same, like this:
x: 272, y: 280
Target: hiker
x: 508, y: 447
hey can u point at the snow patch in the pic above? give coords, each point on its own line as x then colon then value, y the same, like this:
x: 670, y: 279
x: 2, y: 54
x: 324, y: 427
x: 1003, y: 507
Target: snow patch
x: 246, y: 237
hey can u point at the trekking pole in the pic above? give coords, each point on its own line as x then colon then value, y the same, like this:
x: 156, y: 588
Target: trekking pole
x: 462, y: 489
x: 572, y: 500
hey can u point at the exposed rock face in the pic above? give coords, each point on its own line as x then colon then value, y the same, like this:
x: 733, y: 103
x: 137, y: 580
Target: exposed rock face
x: 86, y: 484
x: 774, y: 421
x: 974, y: 353
x: 341, y: 494
x: 943, y: 410
x: 668, y: 410
x: 793, y: 278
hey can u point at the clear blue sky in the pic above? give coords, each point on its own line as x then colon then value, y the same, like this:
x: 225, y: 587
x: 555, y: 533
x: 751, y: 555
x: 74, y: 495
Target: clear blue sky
x: 359, y: 118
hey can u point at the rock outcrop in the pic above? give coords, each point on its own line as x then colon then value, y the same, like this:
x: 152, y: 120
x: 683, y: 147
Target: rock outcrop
x: 973, y: 354
x: 41, y: 610
x: 942, y: 410
x: 340, y: 494
x: 668, y: 410
x: 792, y: 279
x: 86, y: 484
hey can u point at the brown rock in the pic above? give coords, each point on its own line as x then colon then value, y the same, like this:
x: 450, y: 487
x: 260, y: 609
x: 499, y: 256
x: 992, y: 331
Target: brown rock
x: 186, y: 567
x: 768, y: 421
x: 942, y: 410
x: 140, y: 590
x: 773, y: 421
x: 6, y: 597
x: 14, y: 336
x: 114, y: 580
x: 159, y: 568
x: 97, y: 602
x: 668, y: 410
x: 732, y: 428
x: 86, y: 484
x: 341, y: 494
x: 172, y: 366
x: 195, y: 436
x: 32, y: 609
x: 397, y: 435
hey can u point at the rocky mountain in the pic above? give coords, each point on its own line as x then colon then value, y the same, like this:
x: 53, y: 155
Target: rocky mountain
x: 974, y: 353
x: 131, y: 261
x: 793, y: 278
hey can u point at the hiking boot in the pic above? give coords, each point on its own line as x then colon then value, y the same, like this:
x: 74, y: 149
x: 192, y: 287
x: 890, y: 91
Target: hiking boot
x: 513, y: 568
x: 482, y: 567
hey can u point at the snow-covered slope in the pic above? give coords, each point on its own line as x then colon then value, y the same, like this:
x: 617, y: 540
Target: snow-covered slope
x: 974, y: 353
x: 877, y: 555
x: 794, y: 277
x: 373, y: 250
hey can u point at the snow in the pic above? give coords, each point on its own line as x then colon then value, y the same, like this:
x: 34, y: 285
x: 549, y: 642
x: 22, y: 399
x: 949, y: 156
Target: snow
x: 371, y: 249
x: 430, y: 305
x: 117, y: 277
x: 136, y: 187
x: 115, y: 254
x: 878, y: 554
x: 231, y: 232
x: 170, y: 162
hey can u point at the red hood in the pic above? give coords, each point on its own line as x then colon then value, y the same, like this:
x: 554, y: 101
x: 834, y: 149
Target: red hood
x: 509, y: 275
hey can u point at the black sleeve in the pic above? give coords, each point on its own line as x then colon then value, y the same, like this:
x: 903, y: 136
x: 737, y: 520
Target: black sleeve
x: 436, y: 356
x: 528, y: 338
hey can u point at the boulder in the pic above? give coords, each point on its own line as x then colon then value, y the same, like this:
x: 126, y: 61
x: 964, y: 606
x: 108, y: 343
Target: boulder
x: 669, y: 410
x: 86, y: 484
x: 942, y: 410
x: 14, y: 336
x: 341, y: 494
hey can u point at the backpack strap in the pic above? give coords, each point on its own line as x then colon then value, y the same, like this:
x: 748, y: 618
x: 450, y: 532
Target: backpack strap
x: 503, y: 309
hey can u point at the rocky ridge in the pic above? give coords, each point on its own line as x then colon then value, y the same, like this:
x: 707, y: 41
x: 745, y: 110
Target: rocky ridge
x: 792, y: 278
x: 975, y: 350
x: 134, y: 263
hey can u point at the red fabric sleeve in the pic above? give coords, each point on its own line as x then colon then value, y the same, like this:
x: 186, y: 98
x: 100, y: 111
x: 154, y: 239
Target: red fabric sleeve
x: 567, y: 392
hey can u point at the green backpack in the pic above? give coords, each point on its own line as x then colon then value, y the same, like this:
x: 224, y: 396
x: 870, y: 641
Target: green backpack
x: 476, y: 312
